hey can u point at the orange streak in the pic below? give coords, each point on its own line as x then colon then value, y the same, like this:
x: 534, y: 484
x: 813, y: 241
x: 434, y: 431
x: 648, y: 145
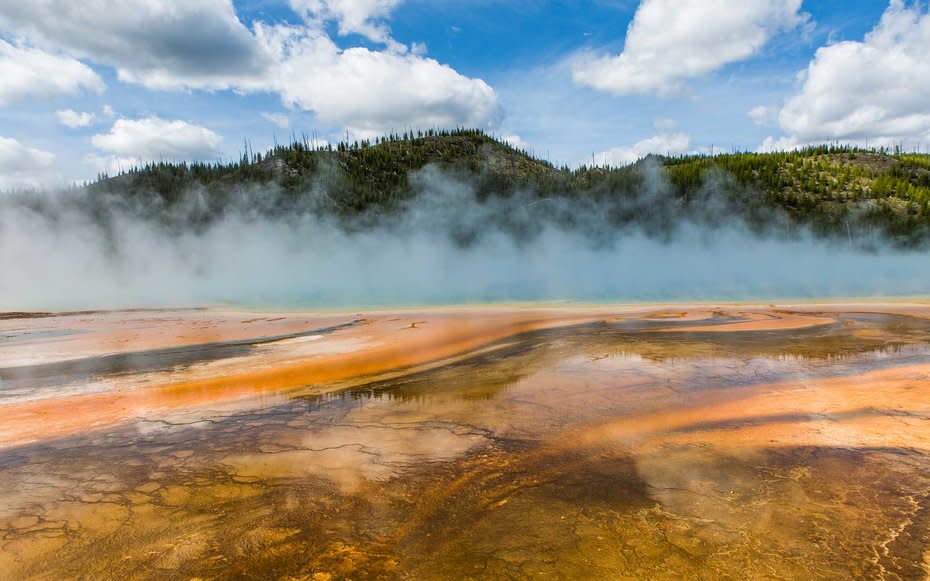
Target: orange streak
x: 392, y: 344
x: 835, y: 411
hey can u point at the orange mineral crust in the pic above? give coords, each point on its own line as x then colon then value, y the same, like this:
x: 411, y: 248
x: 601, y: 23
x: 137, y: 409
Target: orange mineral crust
x: 362, y: 345
x: 727, y: 441
x: 286, y: 353
x: 882, y: 408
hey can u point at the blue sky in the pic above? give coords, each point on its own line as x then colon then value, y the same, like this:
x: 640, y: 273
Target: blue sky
x: 101, y: 86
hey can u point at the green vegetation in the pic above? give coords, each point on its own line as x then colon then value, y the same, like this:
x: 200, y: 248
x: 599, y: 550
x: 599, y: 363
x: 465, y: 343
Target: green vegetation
x: 829, y: 187
x: 862, y: 195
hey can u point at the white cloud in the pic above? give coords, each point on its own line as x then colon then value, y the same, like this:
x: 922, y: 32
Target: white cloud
x: 158, y: 43
x: 771, y: 144
x: 763, y: 115
x: 112, y: 165
x: 73, y: 119
x: 517, y: 142
x: 372, y: 92
x: 23, y: 167
x: 201, y: 44
x: 30, y: 72
x: 155, y: 139
x: 108, y: 112
x: 364, y: 17
x: 874, y: 90
x: 664, y: 144
x: 669, y: 41
x: 279, y: 119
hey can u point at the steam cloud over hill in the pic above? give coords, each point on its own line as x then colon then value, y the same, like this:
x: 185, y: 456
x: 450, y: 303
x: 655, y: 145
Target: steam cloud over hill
x: 447, y: 229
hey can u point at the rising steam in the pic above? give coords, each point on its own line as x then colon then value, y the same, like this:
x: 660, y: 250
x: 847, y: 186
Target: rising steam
x: 68, y: 251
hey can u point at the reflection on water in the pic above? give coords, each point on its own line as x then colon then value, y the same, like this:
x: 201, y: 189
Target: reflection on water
x: 600, y: 451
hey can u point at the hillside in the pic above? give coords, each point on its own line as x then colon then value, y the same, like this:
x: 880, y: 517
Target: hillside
x: 354, y: 177
x: 863, y: 196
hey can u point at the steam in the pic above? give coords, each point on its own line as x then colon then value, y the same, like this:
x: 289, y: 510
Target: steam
x: 445, y: 245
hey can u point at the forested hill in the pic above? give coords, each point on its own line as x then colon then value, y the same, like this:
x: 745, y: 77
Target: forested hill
x: 853, y: 194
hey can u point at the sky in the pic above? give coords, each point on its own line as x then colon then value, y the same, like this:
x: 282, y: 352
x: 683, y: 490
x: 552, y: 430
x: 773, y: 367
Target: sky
x: 98, y: 86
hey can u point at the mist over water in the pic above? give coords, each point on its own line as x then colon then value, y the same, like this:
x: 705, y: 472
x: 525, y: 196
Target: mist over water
x: 58, y: 251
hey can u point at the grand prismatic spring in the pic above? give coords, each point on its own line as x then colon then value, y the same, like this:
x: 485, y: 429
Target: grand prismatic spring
x: 496, y: 442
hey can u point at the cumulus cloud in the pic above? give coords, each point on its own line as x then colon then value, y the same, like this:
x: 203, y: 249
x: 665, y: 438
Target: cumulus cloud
x: 664, y: 144
x: 364, y: 17
x: 73, y: 119
x: 372, y: 92
x: 871, y: 90
x: 157, y: 43
x: 763, y: 115
x: 30, y: 72
x: 772, y: 144
x: 112, y: 165
x: 131, y: 142
x: 23, y: 167
x: 669, y: 41
x: 517, y: 142
x: 202, y: 44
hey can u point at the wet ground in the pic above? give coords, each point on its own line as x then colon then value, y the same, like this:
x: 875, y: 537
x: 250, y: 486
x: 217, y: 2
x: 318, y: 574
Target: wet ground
x: 652, y: 445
